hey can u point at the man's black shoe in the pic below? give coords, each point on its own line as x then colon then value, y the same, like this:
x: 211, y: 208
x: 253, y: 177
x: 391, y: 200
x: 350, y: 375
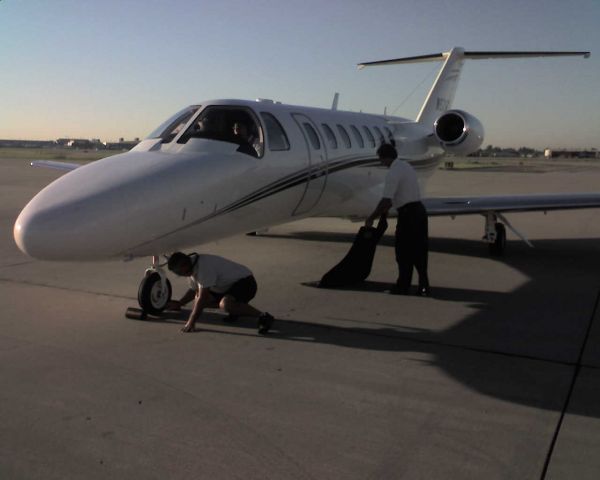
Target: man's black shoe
x: 424, y: 291
x: 265, y: 321
x: 230, y: 318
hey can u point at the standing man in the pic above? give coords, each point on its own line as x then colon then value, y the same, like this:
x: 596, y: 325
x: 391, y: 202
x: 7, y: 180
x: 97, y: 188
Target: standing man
x: 217, y: 282
x: 401, y: 192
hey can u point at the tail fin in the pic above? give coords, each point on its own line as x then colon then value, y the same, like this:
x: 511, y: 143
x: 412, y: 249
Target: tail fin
x: 442, y: 92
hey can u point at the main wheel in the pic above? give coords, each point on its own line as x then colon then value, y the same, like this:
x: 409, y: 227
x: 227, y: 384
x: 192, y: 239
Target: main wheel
x: 152, y: 297
x: 497, y: 248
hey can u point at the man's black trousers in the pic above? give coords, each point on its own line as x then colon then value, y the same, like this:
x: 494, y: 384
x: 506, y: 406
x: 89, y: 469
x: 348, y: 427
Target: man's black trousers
x: 412, y: 245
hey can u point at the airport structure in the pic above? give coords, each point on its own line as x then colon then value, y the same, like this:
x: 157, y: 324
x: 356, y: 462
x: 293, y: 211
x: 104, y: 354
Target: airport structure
x: 572, y: 153
x: 75, y: 143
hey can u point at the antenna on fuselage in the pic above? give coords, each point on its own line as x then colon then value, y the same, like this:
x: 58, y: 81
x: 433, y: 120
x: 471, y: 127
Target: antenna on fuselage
x: 334, y: 104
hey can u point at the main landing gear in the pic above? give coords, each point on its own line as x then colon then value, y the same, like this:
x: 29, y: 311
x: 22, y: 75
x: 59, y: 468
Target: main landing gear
x: 154, y: 292
x: 495, y: 233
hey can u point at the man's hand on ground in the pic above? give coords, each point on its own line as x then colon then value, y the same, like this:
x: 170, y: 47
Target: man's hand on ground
x: 189, y: 327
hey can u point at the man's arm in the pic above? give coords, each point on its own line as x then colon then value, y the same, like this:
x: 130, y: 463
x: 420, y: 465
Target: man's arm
x: 203, y: 300
x: 187, y: 298
x: 380, y: 211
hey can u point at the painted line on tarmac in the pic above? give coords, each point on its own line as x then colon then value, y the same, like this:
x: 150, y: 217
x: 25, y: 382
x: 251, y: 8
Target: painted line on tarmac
x: 578, y: 366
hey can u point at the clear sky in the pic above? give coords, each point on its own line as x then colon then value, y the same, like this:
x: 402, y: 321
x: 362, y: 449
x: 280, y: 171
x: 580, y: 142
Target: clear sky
x: 118, y: 68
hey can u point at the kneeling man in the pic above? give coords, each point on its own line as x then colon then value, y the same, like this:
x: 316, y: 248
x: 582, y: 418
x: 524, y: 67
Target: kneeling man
x: 217, y: 282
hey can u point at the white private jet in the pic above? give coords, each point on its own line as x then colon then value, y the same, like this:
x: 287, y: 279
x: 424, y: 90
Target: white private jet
x: 225, y: 167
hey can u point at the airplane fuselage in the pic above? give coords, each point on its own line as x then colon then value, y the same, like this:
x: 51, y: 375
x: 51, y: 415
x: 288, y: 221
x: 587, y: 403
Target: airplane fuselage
x: 190, y: 183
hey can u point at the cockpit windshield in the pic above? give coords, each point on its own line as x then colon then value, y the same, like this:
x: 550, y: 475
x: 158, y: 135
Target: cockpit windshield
x: 171, y: 127
x: 228, y: 124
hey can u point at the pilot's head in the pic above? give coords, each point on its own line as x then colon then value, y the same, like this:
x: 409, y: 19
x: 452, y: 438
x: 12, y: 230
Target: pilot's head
x: 180, y: 264
x: 387, y: 154
x: 240, y: 130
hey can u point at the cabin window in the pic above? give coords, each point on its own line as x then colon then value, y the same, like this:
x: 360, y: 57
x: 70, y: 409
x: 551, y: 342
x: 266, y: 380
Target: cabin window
x: 313, y: 136
x: 380, y: 136
x: 370, y: 137
x: 172, y: 126
x: 345, y: 136
x: 390, y: 135
x: 330, y: 136
x: 276, y: 137
x: 357, y: 135
x: 228, y: 124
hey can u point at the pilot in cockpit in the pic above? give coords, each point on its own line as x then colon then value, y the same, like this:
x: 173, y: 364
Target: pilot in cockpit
x: 205, y: 126
x: 249, y: 143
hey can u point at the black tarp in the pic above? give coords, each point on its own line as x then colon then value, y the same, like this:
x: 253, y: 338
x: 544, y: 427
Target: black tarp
x: 356, y: 266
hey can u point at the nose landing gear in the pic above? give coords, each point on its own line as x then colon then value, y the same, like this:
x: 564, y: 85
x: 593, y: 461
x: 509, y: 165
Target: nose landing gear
x: 154, y: 292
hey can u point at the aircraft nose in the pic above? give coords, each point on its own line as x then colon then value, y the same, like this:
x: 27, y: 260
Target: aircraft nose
x: 57, y: 228
x: 19, y: 234
x: 34, y: 235
x: 72, y: 230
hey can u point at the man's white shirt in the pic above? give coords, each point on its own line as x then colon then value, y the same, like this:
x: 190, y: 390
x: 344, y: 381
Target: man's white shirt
x: 401, y: 184
x: 216, y: 273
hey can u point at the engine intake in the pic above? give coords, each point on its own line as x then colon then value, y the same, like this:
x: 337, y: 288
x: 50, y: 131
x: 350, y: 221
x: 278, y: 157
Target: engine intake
x: 458, y: 132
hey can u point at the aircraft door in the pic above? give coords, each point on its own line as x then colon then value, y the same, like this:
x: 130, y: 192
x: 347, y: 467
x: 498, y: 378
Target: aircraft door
x: 316, y: 175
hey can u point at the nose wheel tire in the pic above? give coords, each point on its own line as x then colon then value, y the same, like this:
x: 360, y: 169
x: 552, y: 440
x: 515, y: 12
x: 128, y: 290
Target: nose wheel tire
x: 497, y: 248
x: 153, y: 297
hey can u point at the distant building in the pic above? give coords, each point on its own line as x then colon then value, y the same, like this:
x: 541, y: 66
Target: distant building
x: 122, y: 144
x: 86, y: 144
x: 571, y: 153
x: 75, y: 143
x: 27, y: 144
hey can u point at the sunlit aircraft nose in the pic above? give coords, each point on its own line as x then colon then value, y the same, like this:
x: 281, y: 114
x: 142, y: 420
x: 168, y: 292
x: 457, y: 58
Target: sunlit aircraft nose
x: 41, y: 234
x: 74, y: 218
x: 128, y: 204
x: 22, y: 233
x: 103, y: 210
x: 65, y: 226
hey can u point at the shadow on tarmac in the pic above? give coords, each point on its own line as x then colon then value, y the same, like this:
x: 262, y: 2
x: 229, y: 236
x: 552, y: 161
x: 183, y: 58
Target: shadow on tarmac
x: 514, y: 378
x: 531, y: 339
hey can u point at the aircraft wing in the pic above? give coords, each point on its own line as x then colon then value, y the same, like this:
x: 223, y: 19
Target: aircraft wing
x: 65, y: 166
x: 510, y: 203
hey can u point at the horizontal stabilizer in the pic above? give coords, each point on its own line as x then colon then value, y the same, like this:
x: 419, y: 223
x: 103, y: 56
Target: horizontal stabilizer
x: 421, y: 58
x: 472, y: 56
x: 484, y: 55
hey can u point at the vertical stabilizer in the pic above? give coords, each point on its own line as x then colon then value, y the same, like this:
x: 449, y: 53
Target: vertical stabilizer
x: 442, y: 92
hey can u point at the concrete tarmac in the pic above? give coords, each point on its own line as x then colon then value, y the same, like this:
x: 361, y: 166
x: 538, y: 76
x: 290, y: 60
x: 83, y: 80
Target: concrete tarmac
x: 496, y: 376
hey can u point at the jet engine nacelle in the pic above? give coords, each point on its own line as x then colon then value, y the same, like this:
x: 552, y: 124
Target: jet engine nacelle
x: 458, y: 132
